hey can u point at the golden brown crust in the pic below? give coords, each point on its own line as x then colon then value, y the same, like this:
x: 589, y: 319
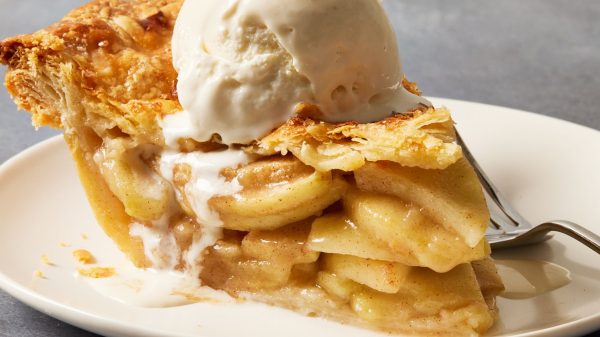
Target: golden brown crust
x: 116, y: 53
x: 108, y: 209
x: 422, y: 138
x: 411, y: 87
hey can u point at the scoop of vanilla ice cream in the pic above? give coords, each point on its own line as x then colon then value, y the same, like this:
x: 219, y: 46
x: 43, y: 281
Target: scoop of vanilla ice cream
x: 245, y: 64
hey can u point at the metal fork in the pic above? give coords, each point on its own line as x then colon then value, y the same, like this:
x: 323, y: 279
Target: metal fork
x: 508, y: 228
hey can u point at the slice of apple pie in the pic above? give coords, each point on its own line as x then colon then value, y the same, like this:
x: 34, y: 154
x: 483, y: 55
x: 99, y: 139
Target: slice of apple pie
x: 270, y: 158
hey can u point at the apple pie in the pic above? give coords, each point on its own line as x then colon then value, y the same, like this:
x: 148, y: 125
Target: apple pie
x: 379, y: 224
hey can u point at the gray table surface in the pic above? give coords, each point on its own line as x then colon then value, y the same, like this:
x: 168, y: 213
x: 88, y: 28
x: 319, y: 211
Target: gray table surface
x: 536, y: 55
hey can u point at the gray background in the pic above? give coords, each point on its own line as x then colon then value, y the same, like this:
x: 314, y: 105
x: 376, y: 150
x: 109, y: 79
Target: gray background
x: 536, y: 55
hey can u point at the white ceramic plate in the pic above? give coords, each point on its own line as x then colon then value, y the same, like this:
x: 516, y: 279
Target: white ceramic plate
x: 548, y: 168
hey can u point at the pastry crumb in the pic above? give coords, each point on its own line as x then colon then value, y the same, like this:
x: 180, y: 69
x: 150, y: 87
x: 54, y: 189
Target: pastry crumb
x: 83, y: 256
x: 84, y: 236
x: 38, y: 274
x: 97, y: 272
x: 64, y: 244
x: 46, y: 260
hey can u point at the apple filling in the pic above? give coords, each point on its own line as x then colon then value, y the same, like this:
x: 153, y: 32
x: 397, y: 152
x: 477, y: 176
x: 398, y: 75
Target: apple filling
x: 382, y: 239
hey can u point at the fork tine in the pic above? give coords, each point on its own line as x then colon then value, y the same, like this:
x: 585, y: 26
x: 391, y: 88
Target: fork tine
x: 499, y: 235
x: 495, y: 223
x: 511, y: 217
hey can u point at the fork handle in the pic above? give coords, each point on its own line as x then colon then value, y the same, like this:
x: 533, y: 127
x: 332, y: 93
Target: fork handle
x: 577, y: 232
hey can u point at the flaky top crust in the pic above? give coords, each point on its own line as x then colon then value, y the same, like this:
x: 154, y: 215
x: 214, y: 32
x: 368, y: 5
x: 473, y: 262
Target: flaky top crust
x: 112, y: 55
x: 423, y: 137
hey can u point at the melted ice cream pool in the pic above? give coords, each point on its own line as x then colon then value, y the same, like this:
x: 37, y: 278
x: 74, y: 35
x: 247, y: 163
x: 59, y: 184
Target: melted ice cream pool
x: 243, y: 65
x: 154, y: 288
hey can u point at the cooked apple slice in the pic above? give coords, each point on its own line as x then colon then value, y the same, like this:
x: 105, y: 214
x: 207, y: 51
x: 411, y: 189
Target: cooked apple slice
x: 261, y: 259
x: 489, y: 281
x: 338, y: 286
x: 452, y: 299
x: 259, y: 274
x: 288, y: 243
x: 226, y: 267
x: 408, y: 232
x: 434, y: 248
x: 382, y: 276
x: 452, y: 197
x: 145, y: 194
x: 337, y: 233
x: 276, y: 193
